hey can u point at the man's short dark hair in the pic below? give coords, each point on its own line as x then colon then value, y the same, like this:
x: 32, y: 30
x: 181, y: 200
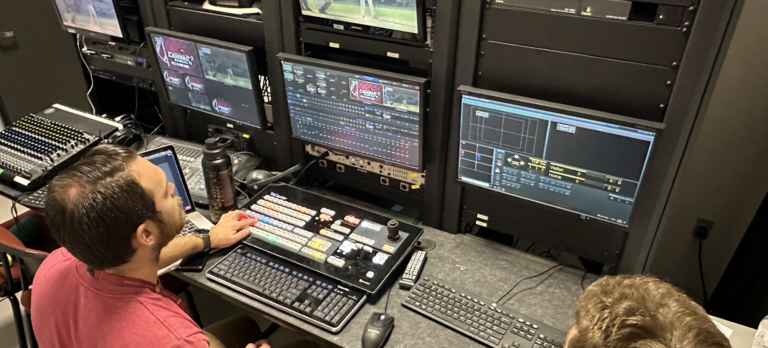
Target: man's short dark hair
x: 95, y: 206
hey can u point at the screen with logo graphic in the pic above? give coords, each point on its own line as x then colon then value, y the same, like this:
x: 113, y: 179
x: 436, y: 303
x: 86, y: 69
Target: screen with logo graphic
x: 371, y: 113
x: 209, y: 75
x: 583, y: 161
x: 98, y: 16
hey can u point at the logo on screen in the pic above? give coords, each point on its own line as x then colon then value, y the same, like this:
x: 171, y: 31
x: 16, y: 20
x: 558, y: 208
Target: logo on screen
x: 222, y: 106
x: 366, y: 91
x: 160, y: 49
x: 172, y: 78
x: 176, y: 55
x: 195, y: 84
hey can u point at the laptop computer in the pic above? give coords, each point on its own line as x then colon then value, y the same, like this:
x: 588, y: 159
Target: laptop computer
x: 165, y: 158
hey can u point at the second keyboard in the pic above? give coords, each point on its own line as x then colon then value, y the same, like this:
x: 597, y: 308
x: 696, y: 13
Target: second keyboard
x: 477, y: 318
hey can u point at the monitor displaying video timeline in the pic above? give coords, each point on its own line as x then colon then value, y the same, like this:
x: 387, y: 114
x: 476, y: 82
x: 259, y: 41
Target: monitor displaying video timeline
x: 400, y: 15
x: 578, y: 160
x: 98, y: 16
x: 209, y: 75
x: 375, y: 114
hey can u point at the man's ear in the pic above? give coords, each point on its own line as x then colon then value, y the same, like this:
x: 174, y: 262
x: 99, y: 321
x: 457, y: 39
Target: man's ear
x: 146, y: 233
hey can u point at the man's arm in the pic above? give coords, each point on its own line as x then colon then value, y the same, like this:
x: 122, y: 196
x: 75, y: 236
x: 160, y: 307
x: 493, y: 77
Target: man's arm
x: 179, y: 248
x: 232, y: 227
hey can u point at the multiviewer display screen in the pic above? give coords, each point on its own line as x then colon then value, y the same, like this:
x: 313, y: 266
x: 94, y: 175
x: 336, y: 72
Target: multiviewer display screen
x: 207, y: 78
x: 587, y: 167
x: 93, y: 15
x: 368, y: 115
x: 400, y: 15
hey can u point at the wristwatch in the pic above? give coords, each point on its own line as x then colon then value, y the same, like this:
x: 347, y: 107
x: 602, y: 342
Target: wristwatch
x: 205, y: 235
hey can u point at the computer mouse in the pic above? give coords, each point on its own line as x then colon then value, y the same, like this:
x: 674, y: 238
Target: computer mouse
x: 377, y: 330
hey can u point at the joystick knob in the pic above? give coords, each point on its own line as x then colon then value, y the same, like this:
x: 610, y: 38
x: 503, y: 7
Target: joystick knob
x: 393, y: 231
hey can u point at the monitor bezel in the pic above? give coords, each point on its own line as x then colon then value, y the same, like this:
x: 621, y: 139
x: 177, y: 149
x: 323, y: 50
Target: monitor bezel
x: 353, y: 69
x: 421, y: 18
x: 91, y: 33
x: 250, y: 60
x: 566, y: 110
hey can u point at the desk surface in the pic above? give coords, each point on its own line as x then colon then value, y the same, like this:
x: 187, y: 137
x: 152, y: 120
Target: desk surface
x: 490, y: 270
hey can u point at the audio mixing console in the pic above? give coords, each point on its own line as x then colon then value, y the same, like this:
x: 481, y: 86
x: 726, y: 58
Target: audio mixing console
x: 38, y: 146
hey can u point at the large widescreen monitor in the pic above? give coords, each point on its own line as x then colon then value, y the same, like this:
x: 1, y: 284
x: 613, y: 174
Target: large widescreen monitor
x: 97, y: 16
x: 208, y: 75
x: 400, y: 15
x: 371, y: 113
x: 587, y: 162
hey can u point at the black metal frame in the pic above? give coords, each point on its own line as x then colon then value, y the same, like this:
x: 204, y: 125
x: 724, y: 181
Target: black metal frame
x: 11, y: 287
x: 250, y: 59
x: 706, y: 34
x: 438, y: 62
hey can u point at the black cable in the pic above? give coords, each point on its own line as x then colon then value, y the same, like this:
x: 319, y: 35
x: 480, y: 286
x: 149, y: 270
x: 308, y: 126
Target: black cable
x: 386, y: 304
x: 416, y: 220
x: 243, y: 192
x: 499, y: 303
x: 529, y: 247
x: 701, y: 275
x: 302, y: 172
x: 15, y: 211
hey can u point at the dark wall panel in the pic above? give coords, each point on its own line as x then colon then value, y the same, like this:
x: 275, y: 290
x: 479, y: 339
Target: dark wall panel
x: 635, y: 42
x: 629, y: 89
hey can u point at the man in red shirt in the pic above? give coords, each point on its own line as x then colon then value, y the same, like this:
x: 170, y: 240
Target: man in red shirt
x: 117, y: 219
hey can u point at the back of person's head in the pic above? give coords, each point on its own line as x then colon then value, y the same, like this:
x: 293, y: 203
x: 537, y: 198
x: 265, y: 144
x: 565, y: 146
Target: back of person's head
x: 641, y: 312
x: 95, y: 207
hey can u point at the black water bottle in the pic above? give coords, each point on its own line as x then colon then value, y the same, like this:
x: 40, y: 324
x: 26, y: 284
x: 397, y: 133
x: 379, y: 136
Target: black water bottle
x: 217, y: 172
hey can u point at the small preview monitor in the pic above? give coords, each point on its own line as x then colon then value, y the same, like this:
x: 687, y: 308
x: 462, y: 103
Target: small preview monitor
x: 165, y: 158
x: 587, y: 162
x: 209, y: 75
x: 400, y: 15
x: 97, y: 16
x: 374, y: 114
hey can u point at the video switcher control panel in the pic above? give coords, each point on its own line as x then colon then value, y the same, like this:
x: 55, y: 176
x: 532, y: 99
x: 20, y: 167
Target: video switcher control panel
x: 338, y: 240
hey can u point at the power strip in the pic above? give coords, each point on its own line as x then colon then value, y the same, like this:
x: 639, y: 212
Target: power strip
x: 367, y: 165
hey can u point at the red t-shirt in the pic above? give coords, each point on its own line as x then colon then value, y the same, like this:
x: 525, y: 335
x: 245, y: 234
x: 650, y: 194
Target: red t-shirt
x: 72, y: 308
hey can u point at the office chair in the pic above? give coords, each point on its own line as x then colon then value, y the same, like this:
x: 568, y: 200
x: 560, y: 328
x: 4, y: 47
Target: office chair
x: 19, y: 274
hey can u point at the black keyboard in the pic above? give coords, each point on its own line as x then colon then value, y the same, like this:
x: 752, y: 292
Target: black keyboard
x: 35, y: 200
x: 478, y: 318
x: 300, y: 292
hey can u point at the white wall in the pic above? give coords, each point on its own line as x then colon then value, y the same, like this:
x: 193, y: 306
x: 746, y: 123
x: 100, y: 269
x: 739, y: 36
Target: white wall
x: 724, y: 173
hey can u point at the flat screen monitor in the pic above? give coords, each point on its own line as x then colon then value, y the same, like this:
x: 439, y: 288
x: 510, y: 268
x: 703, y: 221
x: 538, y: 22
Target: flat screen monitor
x: 97, y: 16
x: 587, y: 162
x: 400, y: 15
x: 210, y: 76
x: 371, y: 113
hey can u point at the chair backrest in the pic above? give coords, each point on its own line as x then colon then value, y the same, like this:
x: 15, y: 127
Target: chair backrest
x: 28, y: 260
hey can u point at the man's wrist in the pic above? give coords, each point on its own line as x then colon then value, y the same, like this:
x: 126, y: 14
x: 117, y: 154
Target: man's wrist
x: 205, y: 236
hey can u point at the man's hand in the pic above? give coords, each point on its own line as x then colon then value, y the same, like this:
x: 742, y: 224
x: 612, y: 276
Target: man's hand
x: 232, y: 227
x: 259, y: 344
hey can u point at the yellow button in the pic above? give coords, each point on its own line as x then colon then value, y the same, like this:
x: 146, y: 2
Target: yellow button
x: 413, y: 175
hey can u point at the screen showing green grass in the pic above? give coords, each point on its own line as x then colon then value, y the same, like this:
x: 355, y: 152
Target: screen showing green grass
x: 401, y: 15
x: 93, y: 15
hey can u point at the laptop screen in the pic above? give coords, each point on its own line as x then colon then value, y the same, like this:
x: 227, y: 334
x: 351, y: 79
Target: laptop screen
x: 165, y: 158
